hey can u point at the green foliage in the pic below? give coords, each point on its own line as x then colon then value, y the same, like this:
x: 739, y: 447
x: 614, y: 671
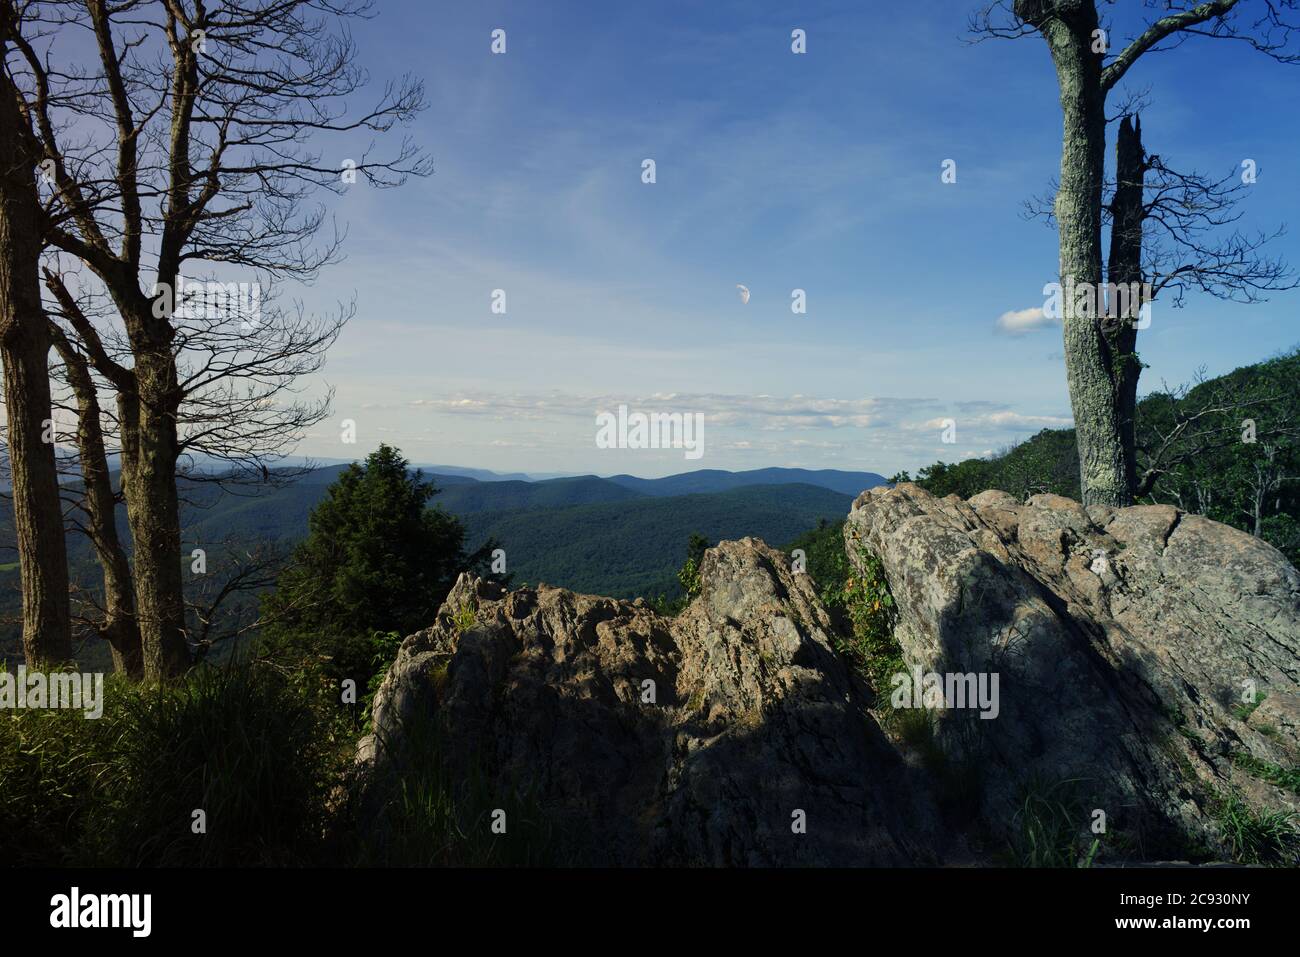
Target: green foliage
x: 1244, y: 709
x: 384, y: 646
x: 51, y: 765
x: 1269, y: 837
x: 862, y: 595
x: 246, y: 744
x: 1049, y: 827
x: 626, y: 550
x: 696, y: 546
x: 266, y: 755
x: 873, y: 615
x: 1049, y: 462
x: 668, y: 607
x: 1254, y: 486
x: 689, y: 575
x: 865, y: 598
x: 1206, y: 468
x: 1288, y: 778
x: 464, y: 619
x: 827, y: 563
x: 377, y: 561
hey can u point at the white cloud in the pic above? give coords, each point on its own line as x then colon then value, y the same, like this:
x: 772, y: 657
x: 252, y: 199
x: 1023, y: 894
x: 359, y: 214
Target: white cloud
x: 1002, y: 419
x: 1020, y: 321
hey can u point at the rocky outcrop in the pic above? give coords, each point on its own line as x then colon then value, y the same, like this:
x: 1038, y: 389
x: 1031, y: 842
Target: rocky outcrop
x: 1147, y: 666
x: 1148, y: 659
x: 731, y: 734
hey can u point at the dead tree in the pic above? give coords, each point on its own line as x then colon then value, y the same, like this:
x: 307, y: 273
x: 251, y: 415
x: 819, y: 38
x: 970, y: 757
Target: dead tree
x: 1087, y: 70
x: 213, y: 109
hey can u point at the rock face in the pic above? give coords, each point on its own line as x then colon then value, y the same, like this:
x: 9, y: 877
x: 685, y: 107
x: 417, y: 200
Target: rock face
x: 732, y: 734
x: 1128, y: 645
x: 1123, y: 643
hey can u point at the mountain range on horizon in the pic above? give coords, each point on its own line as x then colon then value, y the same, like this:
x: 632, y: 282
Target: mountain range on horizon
x: 697, y: 480
x: 620, y: 535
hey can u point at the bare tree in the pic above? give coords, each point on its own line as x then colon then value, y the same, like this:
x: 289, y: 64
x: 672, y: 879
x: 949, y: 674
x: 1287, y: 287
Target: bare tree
x: 1269, y: 474
x: 237, y: 417
x: 24, y: 351
x: 99, y: 503
x: 1087, y: 71
x: 226, y: 608
x: 212, y: 109
x: 1171, y: 232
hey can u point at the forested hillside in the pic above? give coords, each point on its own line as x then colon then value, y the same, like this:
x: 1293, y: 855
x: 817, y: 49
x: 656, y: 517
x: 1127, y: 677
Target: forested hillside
x: 631, y: 549
x: 1227, y: 448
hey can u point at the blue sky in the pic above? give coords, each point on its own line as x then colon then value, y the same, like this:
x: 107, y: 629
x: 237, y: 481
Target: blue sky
x: 778, y: 171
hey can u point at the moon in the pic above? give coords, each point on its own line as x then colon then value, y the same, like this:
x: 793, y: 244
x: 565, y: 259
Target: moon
x: 744, y: 293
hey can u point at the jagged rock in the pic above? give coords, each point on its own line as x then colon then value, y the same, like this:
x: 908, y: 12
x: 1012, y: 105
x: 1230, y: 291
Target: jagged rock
x: 1124, y: 640
x: 755, y: 719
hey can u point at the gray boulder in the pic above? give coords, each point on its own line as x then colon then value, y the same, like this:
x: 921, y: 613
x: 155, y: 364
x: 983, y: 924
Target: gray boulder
x: 1148, y: 659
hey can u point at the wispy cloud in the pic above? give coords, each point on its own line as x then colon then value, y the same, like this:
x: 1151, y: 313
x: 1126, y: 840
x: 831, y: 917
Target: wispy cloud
x: 762, y: 412
x: 741, y: 430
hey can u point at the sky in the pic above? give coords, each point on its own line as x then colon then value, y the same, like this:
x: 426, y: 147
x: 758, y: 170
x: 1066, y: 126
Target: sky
x: 774, y: 170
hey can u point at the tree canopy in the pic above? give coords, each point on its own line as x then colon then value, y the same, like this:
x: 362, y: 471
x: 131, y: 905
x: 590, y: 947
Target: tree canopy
x: 377, y: 559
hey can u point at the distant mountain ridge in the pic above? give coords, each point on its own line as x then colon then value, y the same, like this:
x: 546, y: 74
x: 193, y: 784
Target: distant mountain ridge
x: 621, y: 535
x: 718, y: 480
x: 283, y: 512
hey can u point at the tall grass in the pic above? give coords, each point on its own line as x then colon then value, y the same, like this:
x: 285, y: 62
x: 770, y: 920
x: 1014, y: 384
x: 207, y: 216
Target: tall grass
x: 1048, y: 829
x: 231, y: 766
x: 265, y: 754
x: 52, y: 769
x: 246, y: 746
x: 1263, y: 837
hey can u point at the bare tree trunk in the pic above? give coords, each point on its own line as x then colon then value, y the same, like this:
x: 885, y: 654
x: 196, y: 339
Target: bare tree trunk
x: 119, y: 626
x: 1125, y: 271
x: 150, y: 449
x: 24, y: 352
x: 1103, y: 472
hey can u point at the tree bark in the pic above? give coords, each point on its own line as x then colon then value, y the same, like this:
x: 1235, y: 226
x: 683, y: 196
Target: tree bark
x: 24, y: 353
x: 150, y: 449
x: 1125, y: 270
x: 119, y: 626
x: 1104, y: 473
